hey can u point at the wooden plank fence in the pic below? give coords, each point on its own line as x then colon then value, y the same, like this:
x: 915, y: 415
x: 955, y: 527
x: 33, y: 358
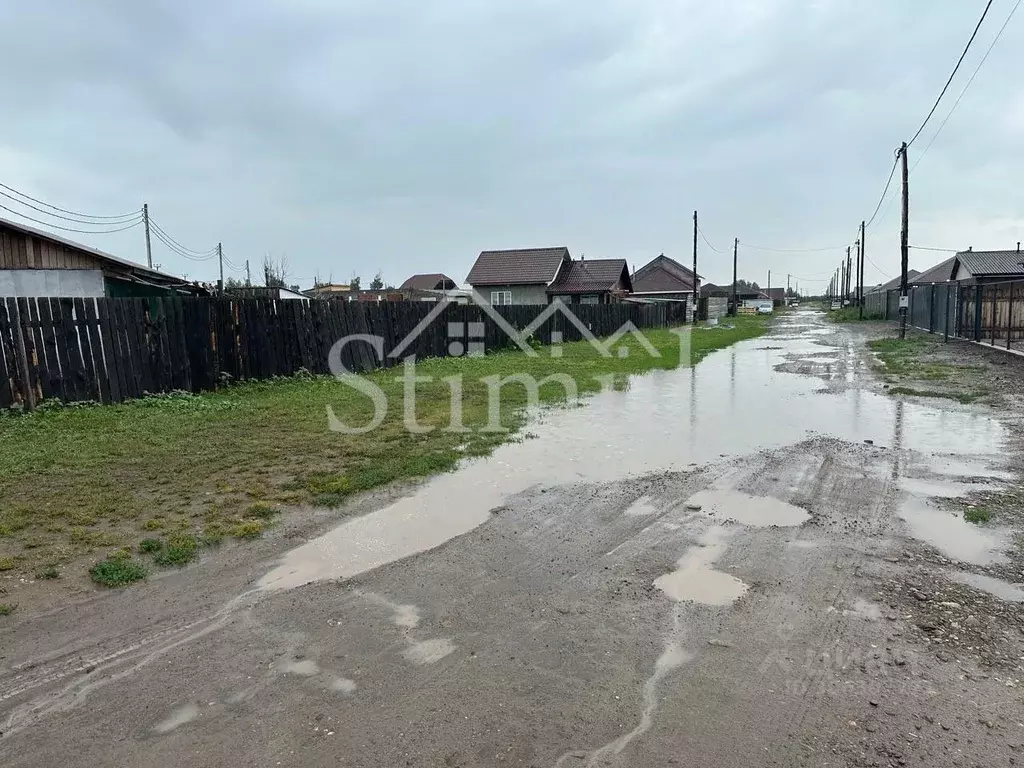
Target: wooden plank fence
x: 112, y: 350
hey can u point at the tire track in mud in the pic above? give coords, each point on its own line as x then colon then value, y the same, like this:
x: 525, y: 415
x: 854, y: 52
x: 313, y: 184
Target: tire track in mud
x: 100, y: 670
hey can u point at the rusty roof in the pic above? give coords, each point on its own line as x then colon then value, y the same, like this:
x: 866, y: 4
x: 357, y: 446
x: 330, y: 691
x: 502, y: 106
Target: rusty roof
x: 521, y: 266
x: 592, y: 276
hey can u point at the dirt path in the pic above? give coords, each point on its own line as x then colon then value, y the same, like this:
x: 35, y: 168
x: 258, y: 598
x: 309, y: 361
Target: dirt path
x: 734, y: 565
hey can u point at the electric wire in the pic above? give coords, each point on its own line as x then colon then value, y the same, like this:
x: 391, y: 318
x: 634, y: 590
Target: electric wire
x: 953, y: 73
x: 70, y: 229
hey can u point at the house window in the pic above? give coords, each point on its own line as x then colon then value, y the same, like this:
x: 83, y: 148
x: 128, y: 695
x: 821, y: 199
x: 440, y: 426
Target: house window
x: 590, y: 299
x: 501, y: 297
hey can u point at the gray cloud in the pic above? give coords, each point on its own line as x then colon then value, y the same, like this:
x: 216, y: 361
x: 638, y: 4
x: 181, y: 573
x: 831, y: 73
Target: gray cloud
x: 407, y: 136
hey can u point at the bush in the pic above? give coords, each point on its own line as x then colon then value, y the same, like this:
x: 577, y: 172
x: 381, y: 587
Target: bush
x: 181, y: 549
x: 249, y: 529
x: 148, y: 546
x: 118, y: 571
x: 263, y: 510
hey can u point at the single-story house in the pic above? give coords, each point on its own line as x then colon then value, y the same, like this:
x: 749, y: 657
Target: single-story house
x: 37, y: 263
x: 329, y: 291
x: 777, y: 295
x: 940, y: 273
x: 518, y: 276
x: 432, y: 282
x: 976, y: 267
x: 591, y: 281
x: 894, y: 284
x: 664, y: 278
x: 263, y: 292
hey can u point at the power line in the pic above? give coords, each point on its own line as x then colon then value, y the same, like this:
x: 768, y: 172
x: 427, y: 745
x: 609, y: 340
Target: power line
x: 971, y: 80
x: 953, y: 73
x: 926, y: 248
x: 168, y: 240
x: 65, y: 210
x: 74, y: 219
x: 69, y: 229
x: 884, y: 192
x: 880, y: 270
x: 716, y: 250
x: 184, y: 254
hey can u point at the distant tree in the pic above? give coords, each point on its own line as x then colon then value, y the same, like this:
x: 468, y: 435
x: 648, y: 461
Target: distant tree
x: 233, y: 287
x: 275, y: 272
x: 377, y: 283
x: 743, y: 286
x: 353, y: 284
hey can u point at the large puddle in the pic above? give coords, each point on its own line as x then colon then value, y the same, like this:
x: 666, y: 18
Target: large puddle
x: 734, y: 403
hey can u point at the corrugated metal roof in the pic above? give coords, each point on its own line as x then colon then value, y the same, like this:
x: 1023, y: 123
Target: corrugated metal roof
x: 523, y: 266
x: 894, y: 284
x: 992, y: 262
x: 592, y: 275
x: 940, y: 273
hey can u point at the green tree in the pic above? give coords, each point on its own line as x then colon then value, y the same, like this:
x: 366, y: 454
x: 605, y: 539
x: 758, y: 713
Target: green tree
x: 377, y: 283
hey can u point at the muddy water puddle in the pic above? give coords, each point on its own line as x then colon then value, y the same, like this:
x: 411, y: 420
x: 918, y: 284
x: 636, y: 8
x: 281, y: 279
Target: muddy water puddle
x: 1004, y: 590
x: 733, y: 404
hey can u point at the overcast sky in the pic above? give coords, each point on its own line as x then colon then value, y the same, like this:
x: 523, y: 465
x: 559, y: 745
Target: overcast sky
x: 407, y: 135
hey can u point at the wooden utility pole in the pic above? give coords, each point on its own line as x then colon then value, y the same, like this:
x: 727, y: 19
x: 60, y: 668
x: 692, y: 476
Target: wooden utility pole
x: 149, y: 247
x: 849, y: 273
x: 860, y: 279
x: 904, y: 241
x: 248, y: 277
x: 842, y: 276
x: 695, y: 289
x: 220, y: 258
x: 786, y: 302
x: 735, y: 251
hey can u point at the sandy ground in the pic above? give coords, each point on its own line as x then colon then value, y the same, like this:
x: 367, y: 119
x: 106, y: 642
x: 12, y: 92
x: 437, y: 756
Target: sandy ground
x: 748, y: 563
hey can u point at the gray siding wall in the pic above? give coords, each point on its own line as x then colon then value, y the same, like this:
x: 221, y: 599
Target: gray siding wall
x: 60, y: 283
x: 521, y: 294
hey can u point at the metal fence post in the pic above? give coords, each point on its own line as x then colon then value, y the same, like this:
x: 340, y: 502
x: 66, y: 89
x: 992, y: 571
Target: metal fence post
x: 1009, y: 316
x: 977, y: 313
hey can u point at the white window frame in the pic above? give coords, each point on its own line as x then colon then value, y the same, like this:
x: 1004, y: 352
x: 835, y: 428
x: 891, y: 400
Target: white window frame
x: 501, y: 298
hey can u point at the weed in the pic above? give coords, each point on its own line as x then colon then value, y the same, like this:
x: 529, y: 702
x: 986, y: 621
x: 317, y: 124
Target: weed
x: 148, y: 546
x: 154, y: 524
x: 247, y: 529
x: 6, y: 609
x: 977, y: 515
x: 49, y: 572
x: 7, y: 563
x: 117, y: 571
x: 263, y: 510
x: 180, y: 550
x: 852, y: 315
x: 960, y: 397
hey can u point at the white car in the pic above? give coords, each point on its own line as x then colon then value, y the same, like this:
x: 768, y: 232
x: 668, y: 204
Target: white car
x: 764, y: 309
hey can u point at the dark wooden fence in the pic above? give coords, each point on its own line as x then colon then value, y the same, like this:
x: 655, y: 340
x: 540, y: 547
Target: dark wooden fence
x: 111, y: 350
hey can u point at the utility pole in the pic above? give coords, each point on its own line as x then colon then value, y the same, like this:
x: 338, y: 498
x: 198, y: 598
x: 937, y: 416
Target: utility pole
x: 842, y: 276
x: 695, y: 268
x: 735, y: 250
x: 787, y: 290
x: 220, y: 258
x: 248, y: 277
x: 860, y: 278
x: 149, y: 247
x: 769, y: 291
x: 849, y: 273
x: 904, y: 240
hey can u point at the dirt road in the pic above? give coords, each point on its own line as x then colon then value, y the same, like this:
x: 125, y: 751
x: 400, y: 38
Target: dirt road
x: 735, y: 565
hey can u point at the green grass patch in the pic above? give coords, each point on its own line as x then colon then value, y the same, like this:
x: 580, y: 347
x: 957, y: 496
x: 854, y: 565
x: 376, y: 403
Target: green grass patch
x: 182, y: 548
x: 76, y: 481
x: 960, y: 397
x: 977, y: 515
x: 149, y: 546
x: 248, y: 529
x: 117, y: 570
x: 852, y: 315
x: 6, y: 609
x: 48, y: 573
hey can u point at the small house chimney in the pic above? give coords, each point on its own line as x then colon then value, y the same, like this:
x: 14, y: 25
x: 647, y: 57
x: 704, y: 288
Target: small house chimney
x: 1018, y: 246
